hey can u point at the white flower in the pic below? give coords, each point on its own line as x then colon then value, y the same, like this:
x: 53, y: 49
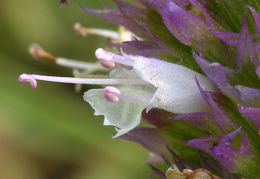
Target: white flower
x: 140, y: 83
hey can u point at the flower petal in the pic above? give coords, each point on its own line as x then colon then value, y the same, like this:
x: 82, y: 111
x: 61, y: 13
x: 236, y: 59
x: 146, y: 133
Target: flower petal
x: 217, y: 73
x: 131, y: 17
x: 185, y: 26
x: 178, y: 91
x: 205, y: 143
x: 251, y: 113
x: 256, y: 16
x: 250, y: 97
x: 202, y: 120
x: 246, y: 48
x: 230, y: 38
x: 124, y: 115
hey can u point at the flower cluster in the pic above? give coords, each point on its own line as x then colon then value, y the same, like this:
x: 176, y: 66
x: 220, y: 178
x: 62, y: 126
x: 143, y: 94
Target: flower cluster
x: 188, y: 67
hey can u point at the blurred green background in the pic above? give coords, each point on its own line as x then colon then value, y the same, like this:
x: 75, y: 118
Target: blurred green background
x: 50, y: 132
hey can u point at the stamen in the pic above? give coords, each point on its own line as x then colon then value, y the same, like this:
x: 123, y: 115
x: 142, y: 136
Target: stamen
x: 105, y: 59
x: 134, y: 99
x: 96, y: 81
x: 112, y: 94
x: 109, y: 58
x: 27, y: 78
x: 83, y: 31
x: 78, y: 64
x: 37, y: 52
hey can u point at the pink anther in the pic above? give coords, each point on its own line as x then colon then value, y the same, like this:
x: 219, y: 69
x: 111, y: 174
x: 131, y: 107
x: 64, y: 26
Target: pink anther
x: 106, y: 60
x: 28, y: 78
x: 112, y: 94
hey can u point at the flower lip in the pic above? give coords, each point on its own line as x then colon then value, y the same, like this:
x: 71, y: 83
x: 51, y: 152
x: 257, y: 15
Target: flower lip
x: 28, y: 78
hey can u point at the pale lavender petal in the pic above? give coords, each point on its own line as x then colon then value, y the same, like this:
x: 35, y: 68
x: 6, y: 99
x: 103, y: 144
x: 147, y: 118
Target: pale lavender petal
x: 230, y: 38
x: 227, y: 140
x: 163, y: 3
x: 219, y: 147
x: 227, y: 156
x: 123, y: 16
x: 223, y: 121
x: 184, y: 25
x: 246, y: 49
x: 217, y: 74
x: 256, y: 16
x: 258, y: 72
x: 202, y: 120
x: 205, y: 143
x: 131, y: 50
x: 250, y: 97
x: 245, y: 145
x: 251, y: 113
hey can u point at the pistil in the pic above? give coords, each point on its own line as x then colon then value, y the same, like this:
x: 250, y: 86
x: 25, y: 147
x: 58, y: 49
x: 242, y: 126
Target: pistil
x: 31, y: 78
